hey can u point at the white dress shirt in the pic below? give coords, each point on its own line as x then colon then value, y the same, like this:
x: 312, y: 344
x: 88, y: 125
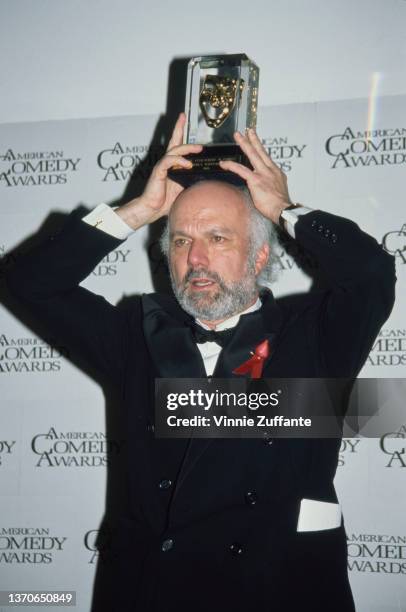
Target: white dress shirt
x: 211, y: 350
x: 105, y: 219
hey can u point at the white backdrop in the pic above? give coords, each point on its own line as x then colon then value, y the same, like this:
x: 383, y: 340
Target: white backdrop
x: 339, y: 156
x: 77, y: 59
x: 328, y: 69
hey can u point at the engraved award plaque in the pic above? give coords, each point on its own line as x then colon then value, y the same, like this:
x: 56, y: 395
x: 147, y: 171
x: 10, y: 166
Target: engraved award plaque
x: 221, y: 98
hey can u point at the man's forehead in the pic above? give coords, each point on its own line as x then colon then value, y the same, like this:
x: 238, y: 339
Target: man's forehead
x: 208, y: 198
x: 212, y: 186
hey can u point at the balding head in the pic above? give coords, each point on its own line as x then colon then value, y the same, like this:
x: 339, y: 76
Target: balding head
x: 203, y: 197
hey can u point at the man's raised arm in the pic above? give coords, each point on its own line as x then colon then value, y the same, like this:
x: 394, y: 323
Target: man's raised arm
x: 45, y: 281
x: 348, y: 316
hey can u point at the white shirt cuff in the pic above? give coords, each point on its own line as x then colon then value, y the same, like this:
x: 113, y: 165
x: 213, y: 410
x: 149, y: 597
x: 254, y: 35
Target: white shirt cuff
x: 291, y: 217
x: 104, y: 218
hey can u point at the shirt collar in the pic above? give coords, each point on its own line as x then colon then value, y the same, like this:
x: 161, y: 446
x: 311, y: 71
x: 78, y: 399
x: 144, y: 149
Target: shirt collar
x: 232, y: 321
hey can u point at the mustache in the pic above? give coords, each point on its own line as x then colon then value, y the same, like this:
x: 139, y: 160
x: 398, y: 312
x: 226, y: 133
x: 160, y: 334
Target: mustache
x: 192, y: 274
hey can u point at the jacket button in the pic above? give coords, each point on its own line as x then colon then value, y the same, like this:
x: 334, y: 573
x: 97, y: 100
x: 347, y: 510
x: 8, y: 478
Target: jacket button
x: 314, y: 223
x: 268, y: 441
x: 236, y: 549
x: 320, y: 228
x: 334, y: 238
x: 251, y: 498
x: 327, y: 233
x: 167, y: 545
x: 150, y: 427
x: 165, y: 484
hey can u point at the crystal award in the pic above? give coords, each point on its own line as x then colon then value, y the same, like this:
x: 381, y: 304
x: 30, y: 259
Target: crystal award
x: 221, y: 98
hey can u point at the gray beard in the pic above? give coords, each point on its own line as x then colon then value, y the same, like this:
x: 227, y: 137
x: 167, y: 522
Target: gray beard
x: 226, y: 301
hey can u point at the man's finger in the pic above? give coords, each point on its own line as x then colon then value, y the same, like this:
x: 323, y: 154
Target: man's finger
x: 255, y: 159
x: 239, y: 169
x: 171, y: 161
x: 177, y: 134
x: 259, y: 148
x: 185, y: 149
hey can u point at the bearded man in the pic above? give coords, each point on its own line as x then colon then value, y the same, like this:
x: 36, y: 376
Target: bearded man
x: 217, y: 524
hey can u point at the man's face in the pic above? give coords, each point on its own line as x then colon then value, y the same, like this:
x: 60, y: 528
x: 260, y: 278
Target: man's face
x: 211, y: 274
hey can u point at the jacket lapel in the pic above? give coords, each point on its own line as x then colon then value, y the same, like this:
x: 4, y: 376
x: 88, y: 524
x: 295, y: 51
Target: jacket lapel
x: 169, y: 338
x: 252, y: 328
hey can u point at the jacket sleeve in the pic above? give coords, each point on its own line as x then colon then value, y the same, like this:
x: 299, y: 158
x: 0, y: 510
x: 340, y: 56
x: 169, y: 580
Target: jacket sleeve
x: 45, y: 282
x: 361, y: 278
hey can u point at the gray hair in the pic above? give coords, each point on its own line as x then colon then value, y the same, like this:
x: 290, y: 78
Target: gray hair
x: 261, y: 231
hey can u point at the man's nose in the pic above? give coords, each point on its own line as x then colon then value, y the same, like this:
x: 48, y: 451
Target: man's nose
x: 198, y: 254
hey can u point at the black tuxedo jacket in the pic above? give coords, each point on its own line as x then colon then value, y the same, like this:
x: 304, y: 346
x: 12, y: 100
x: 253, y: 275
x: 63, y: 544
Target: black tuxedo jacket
x: 222, y: 534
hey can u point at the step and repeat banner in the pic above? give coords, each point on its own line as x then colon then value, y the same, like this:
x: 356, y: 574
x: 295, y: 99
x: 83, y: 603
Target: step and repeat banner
x: 346, y: 157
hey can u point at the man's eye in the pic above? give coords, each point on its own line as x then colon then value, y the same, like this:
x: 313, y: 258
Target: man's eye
x: 218, y: 238
x: 179, y: 242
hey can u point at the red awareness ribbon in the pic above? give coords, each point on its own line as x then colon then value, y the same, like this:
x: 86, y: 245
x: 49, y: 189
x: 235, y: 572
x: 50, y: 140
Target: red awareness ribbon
x: 254, y: 365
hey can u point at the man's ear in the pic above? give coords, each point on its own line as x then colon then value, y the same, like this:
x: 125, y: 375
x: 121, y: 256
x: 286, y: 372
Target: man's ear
x: 261, y: 258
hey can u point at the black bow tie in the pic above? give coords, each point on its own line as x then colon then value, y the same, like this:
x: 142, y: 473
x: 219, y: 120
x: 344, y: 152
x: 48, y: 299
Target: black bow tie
x: 202, y: 335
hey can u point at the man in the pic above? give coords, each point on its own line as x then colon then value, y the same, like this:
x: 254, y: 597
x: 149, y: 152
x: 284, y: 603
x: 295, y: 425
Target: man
x: 217, y: 524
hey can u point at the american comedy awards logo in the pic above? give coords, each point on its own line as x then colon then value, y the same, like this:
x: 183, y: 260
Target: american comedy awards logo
x: 29, y: 169
x: 29, y: 545
x: 119, y: 161
x: 7, y: 447
x: 389, y: 349
x: 376, y: 553
x: 353, y: 148
x: 29, y: 354
x: 348, y: 448
x: 283, y: 153
x: 110, y: 265
x: 98, y: 543
x: 73, y: 448
x: 393, y: 446
x: 394, y: 243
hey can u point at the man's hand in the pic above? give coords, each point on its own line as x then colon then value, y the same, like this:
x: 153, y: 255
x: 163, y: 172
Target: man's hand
x: 160, y: 191
x: 266, y: 182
